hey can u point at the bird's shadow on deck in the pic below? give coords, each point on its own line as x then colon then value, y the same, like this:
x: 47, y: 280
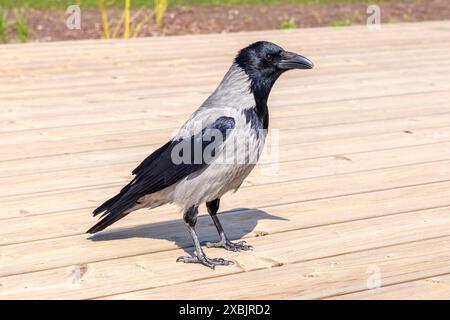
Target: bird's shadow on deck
x: 237, y: 223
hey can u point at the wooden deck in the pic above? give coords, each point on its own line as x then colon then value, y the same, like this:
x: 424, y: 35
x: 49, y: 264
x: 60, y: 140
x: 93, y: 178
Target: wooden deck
x: 361, y: 198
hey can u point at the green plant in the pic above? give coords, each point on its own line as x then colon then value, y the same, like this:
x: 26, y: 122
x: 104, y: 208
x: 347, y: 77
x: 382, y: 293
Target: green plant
x: 131, y: 27
x: 105, y: 23
x: 160, y: 10
x: 62, y: 4
x: 21, y: 26
x: 339, y: 23
x: 137, y: 27
x: 126, y: 33
x: 3, y: 24
x: 288, y: 24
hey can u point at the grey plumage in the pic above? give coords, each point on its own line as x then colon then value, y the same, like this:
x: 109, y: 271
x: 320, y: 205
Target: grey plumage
x: 232, y: 126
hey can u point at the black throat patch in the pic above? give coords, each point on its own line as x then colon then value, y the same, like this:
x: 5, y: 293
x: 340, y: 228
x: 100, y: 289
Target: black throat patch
x: 258, y: 116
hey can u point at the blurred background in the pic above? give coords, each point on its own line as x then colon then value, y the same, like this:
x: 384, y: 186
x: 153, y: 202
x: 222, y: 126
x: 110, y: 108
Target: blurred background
x: 45, y: 20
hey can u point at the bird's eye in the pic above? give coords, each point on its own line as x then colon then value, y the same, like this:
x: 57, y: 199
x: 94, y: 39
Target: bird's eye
x: 269, y: 57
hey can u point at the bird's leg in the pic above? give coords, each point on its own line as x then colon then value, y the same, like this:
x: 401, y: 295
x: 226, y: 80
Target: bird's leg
x: 190, y: 217
x: 213, y: 207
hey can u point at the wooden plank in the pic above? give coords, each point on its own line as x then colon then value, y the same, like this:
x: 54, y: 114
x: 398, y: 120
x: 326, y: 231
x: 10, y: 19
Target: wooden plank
x: 35, y: 118
x: 434, y: 288
x: 133, y: 155
x: 284, y: 114
x: 77, y: 77
x: 317, y: 279
x: 337, y: 88
x: 151, y: 270
x: 68, y: 250
x: 282, y: 168
x: 132, y: 82
x: 76, y: 222
x: 357, y: 65
x: 302, y: 189
x: 291, y: 135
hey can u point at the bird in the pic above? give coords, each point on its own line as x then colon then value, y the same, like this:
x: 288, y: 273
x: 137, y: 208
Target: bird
x: 213, y: 151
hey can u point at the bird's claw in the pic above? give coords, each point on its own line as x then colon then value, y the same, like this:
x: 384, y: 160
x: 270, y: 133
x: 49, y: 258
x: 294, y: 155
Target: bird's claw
x: 209, y: 262
x: 228, y: 245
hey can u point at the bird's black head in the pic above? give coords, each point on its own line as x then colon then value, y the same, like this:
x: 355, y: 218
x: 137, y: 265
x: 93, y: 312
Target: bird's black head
x: 264, y: 62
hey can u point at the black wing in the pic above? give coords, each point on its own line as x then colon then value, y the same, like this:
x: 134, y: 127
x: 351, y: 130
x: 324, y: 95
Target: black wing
x: 158, y: 171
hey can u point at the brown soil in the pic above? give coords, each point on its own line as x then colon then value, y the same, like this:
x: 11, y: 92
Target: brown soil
x: 49, y: 25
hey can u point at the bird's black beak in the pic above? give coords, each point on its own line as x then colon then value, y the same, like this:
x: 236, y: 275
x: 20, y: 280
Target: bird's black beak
x: 290, y: 60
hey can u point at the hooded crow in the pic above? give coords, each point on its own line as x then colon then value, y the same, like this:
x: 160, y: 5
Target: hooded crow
x: 213, y: 152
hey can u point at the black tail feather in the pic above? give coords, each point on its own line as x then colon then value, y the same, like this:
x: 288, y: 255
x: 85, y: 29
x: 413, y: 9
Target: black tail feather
x: 114, y: 200
x: 113, y: 209
x: 155, y: 173
x: 108, y: 220
x: 106, y: 205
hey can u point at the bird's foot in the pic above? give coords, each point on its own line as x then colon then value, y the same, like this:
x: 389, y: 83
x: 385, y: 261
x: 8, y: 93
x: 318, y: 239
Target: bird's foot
x: 204, y: 260
x: 228, y: 245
